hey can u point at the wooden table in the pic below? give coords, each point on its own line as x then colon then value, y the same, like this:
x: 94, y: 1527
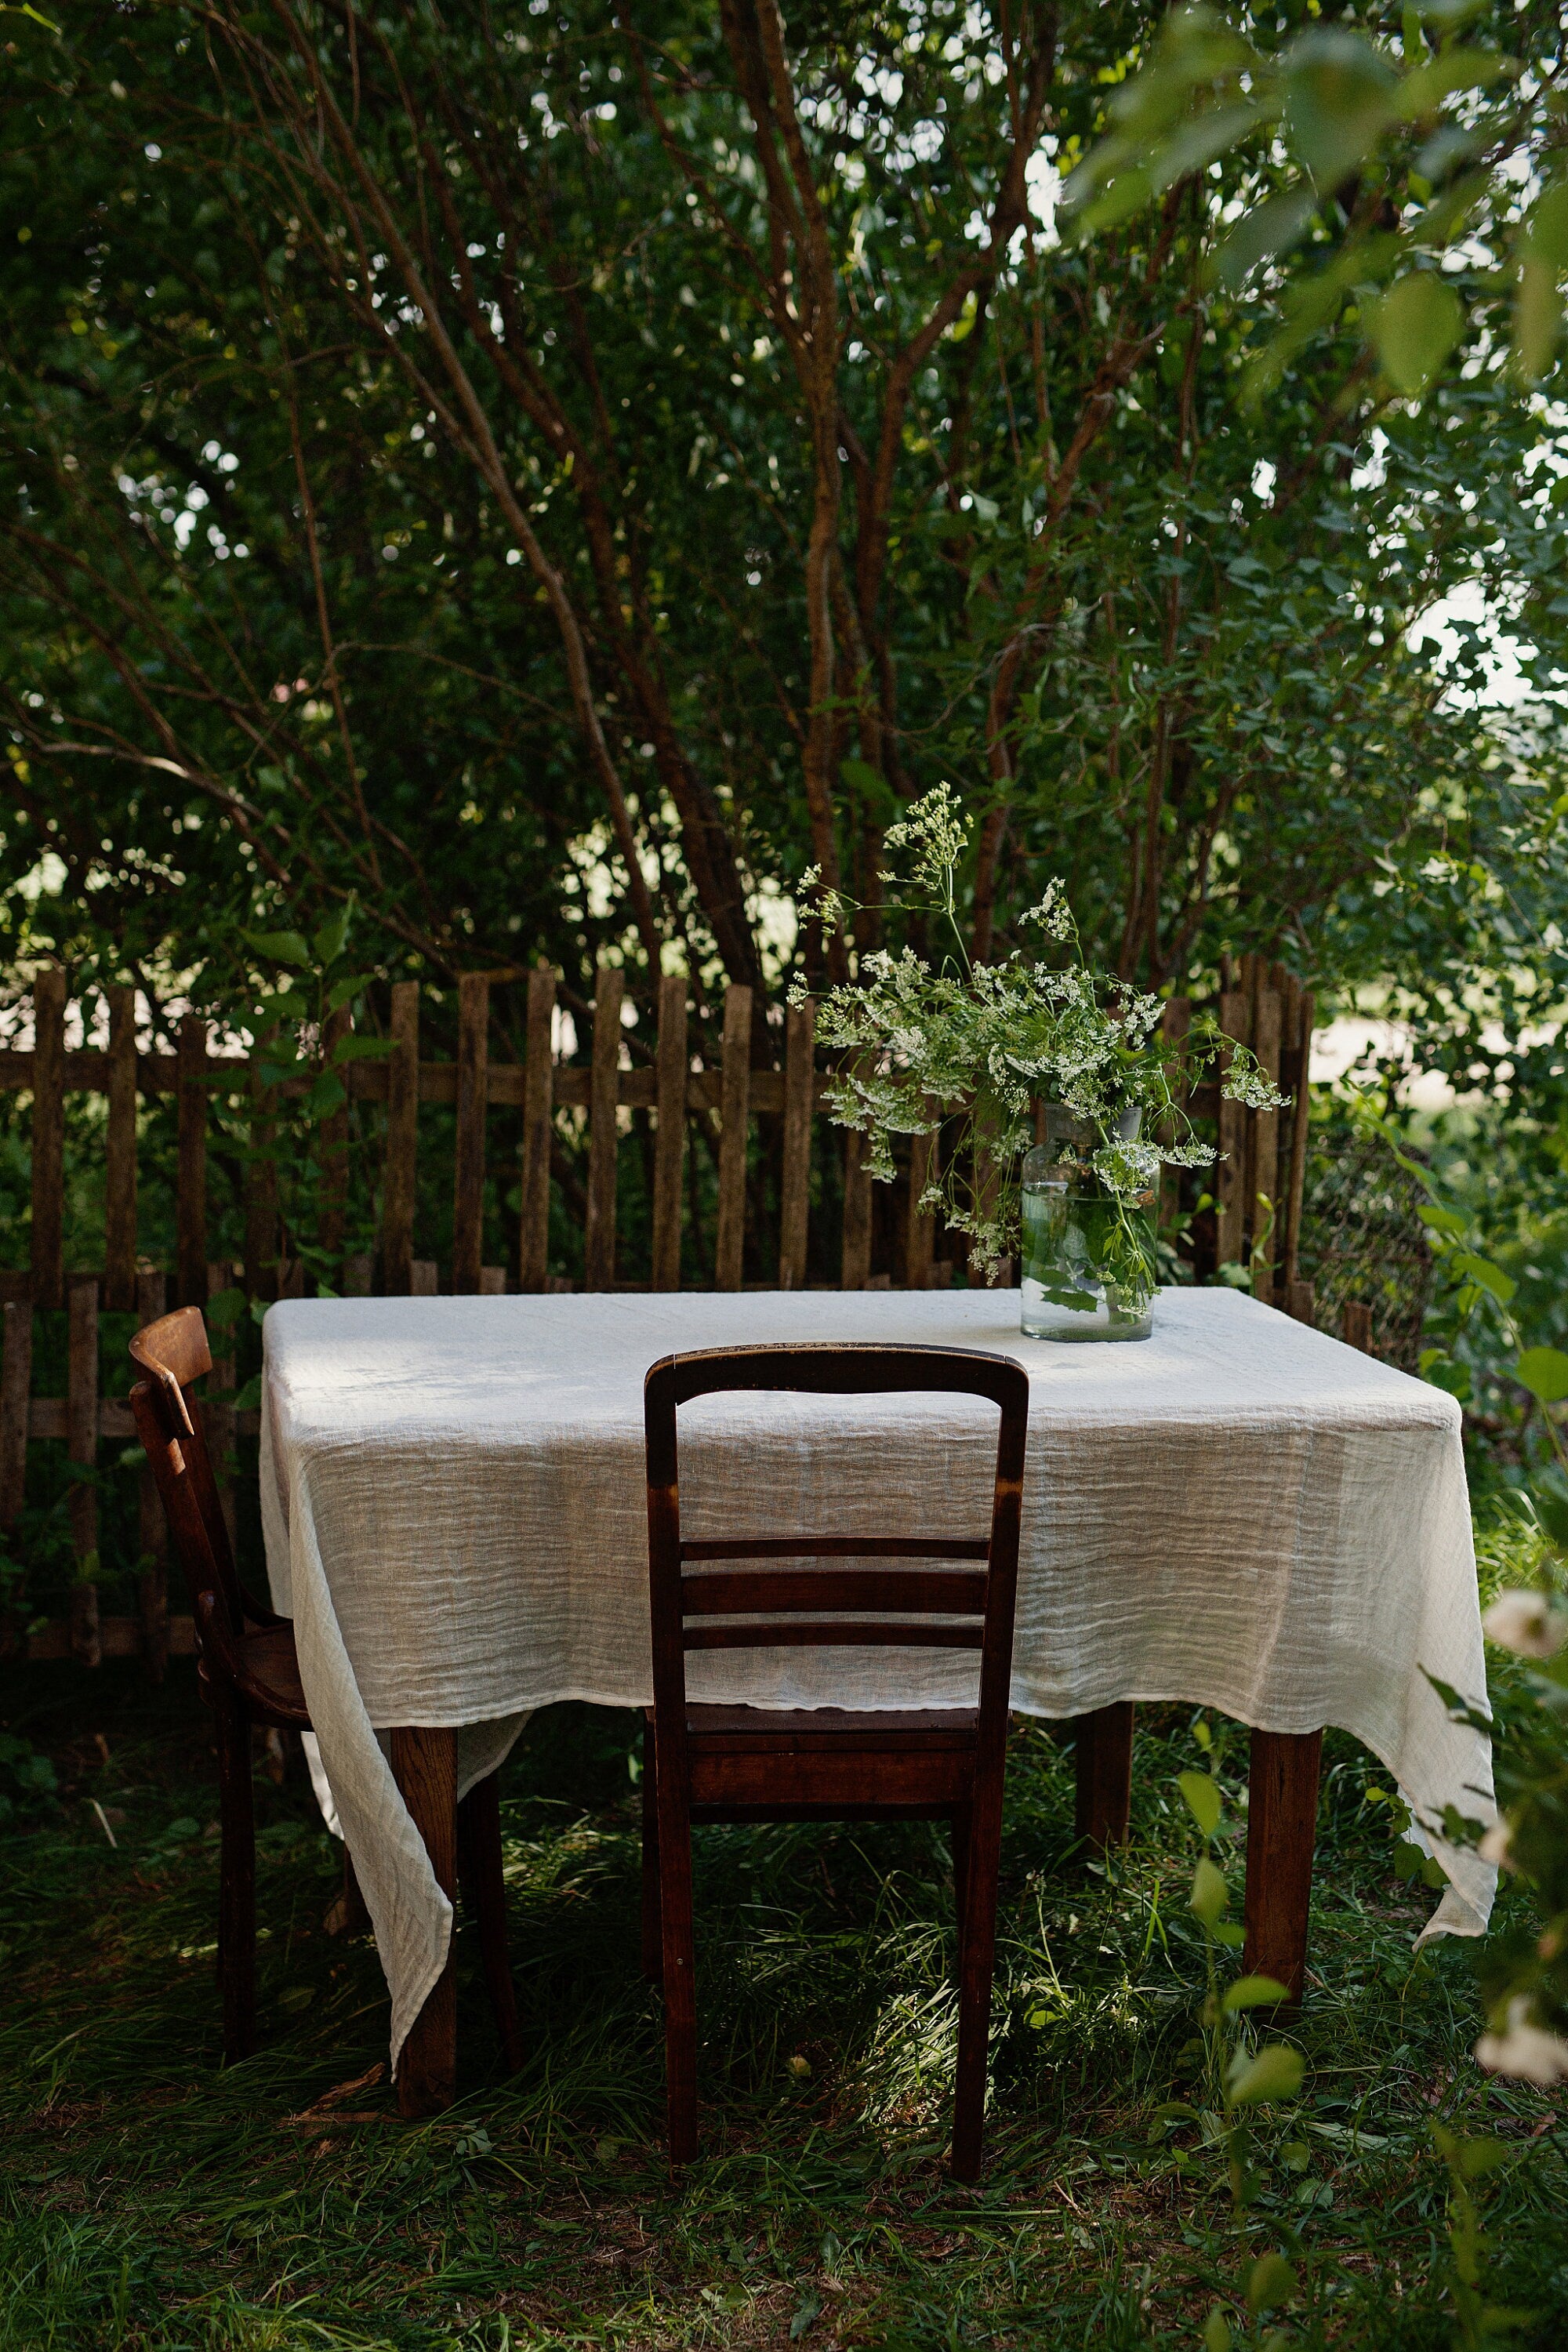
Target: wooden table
x: 1239, y: 1514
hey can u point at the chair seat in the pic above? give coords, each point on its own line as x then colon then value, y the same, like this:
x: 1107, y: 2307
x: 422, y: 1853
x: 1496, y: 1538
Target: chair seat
x: 271, y: 1687
x: 757, y: 1763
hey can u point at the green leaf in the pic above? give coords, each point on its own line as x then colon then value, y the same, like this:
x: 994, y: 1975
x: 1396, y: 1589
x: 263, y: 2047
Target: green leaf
x: 1269, y: 229
x: 1413, y: 327
x: 1422, y: 91
x: 1340, y: 96
x: 1545, y: 1372
x: 343, y: 990
x: 1272, y: 2281
x: 362, y: 1049
x: 1484, y: 1275
x: 805, y: 2312
x: 1201, y: 1791
x: 1126, y: 194
x: 1274, y: 2073
x: 226, y: 1306
x: 1255, y: 1992
x: 1231, y: 1936
x: 333, y: 935
x: 1475, y: 2157
x: 279, y: 947
x: 1537, y: 318
x: 1551, y: 1507
x: 326, y: 1096
x: 1543, y: 235
x: 1210, y: 1894
x: 1440, y: 1220
x: 1217, y: 2334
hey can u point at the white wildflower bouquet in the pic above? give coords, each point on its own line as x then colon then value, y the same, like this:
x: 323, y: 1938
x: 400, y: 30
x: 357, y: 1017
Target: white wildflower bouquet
x: 982, y: 1042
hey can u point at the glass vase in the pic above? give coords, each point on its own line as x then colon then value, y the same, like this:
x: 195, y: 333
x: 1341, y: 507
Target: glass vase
x: 1089, y: 1269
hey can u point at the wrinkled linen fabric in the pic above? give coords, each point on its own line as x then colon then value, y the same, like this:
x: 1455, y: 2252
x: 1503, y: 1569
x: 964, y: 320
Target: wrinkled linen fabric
x: 1239, y: 1513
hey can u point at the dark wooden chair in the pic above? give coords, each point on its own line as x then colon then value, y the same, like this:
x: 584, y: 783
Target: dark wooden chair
x: 749, y: 1764
x: 249, y: 1673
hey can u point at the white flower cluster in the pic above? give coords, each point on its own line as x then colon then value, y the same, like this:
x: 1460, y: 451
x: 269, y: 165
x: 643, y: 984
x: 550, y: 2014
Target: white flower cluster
x: 1053, y: 914
x: 1127, y: 1167
x: 1526, y: 1623
x: 922, y: 1046
x: 1524, y: 2049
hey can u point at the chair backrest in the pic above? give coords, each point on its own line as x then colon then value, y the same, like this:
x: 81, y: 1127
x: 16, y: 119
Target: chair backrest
x: 172, y: 1352
x: 696, y: 1606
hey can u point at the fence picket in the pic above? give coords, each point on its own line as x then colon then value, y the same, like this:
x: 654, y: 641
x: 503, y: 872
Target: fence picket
x: 401, y: 1141
x: 603, y: 1130
x: 794, y: 1180
x: 855, y: 1264
x: 152, y: 1590
x: 537, y: 1112
x: 469, y: 1179
x: 81, y: 1449
x: 1300, y: 1127
x: 48, y: 1137
x: 669, y: 1142
x: 1230, y: 1170
x: 735, y: 1119
x: 218, y: 1412
x: 1264, y: 1153
x: 332, y: 1149
x: 16, y: 1397
x: 119, y: 1154
x: 191, y: 1196
x: 920, y: 1249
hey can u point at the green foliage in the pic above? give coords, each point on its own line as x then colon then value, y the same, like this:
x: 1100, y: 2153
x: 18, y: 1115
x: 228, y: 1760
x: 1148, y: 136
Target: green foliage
x: 153, y: 2200
x: 265, y: 643
x: 1242, y: 2075
x: 1377, y: 139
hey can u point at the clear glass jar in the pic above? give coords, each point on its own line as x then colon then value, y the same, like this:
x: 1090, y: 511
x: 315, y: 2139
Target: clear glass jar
x: 1089, y: 1269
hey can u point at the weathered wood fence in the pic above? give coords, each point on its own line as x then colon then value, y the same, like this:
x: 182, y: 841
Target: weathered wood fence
x: 1258, y: 1189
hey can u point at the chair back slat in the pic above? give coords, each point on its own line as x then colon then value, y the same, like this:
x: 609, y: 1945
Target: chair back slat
x: 928, y: 1591
x: 850, y: 1607
x: 834, y: 1548
x: 813, y: 1634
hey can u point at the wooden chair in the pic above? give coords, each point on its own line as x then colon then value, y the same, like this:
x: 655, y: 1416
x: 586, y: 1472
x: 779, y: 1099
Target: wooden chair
x: 249, y: 1673
x: 748, y: 1764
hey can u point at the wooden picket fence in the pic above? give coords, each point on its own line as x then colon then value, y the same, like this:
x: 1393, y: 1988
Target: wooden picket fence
x: 1257, y: 1186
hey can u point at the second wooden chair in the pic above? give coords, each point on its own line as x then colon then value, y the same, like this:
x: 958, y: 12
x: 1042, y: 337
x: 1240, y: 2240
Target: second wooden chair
x: 249, y: 1673
x: 706, y: 1763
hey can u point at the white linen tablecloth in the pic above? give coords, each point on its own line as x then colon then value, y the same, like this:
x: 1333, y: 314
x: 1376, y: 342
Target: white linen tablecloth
x: 1238, y: 1512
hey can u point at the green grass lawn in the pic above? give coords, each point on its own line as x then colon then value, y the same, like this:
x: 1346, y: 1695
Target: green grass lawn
x: 148, y: 2197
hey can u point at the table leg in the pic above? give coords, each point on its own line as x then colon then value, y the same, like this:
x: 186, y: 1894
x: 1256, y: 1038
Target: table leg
x: 1281, y: 1829
x: 1105, y: 1774
x: 425, y: 1765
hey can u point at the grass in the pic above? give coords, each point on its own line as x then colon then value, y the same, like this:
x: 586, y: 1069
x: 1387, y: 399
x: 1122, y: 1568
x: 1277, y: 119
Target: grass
x: 150, y: 2198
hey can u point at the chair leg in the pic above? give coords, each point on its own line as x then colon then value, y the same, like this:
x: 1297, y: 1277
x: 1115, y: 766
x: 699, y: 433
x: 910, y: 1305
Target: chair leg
x: 960, y: 1863
x: 680, y: 1957
x: 976, y: 1958
x: 346, y: 1913
x: 236, y: 1877
x: 652, y: 1933
x: 484, y: 1889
